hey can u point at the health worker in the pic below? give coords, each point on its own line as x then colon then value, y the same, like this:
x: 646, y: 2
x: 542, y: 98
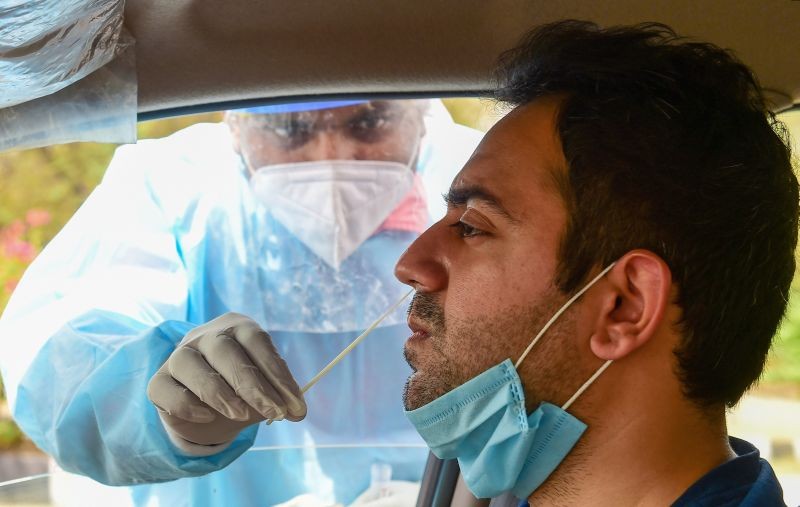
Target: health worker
x: 283, y: 219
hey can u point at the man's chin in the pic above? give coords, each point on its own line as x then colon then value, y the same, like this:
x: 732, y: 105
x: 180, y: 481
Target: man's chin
x: 420, y: 391
x: 413, y: 392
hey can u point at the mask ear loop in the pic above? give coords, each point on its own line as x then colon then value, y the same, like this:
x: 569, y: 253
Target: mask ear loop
x: 586, y: 384
x: 562, y: 310
x: 413, y: 160
x: 552, y: 321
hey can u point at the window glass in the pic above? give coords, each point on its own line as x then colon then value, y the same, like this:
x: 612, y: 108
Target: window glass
x: 292, y: 215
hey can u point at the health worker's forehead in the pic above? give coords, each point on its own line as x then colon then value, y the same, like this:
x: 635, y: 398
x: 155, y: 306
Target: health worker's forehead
x: 519, y: 163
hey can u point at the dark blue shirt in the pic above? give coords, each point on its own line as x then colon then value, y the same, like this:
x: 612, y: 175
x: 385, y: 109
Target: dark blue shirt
x: 745, y: 481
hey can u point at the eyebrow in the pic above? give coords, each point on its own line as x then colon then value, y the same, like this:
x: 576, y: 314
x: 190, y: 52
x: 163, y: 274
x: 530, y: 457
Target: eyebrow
x: 460, y: 196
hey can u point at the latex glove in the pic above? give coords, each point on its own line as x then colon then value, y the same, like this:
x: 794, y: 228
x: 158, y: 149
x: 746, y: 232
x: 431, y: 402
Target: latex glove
x: 389, y: 494
x: 224, y: 376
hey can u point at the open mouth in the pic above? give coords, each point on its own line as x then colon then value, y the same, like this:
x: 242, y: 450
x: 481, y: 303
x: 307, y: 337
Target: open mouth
x: 418, y: 330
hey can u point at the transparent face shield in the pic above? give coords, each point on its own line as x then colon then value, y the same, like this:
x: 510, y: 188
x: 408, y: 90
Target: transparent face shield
x: 338, y: 190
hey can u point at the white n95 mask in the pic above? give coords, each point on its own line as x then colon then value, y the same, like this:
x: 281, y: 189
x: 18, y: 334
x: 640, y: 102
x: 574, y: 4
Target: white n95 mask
x: 332, y: 206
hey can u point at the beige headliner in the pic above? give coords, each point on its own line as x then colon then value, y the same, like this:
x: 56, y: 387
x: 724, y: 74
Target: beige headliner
x: 210, y: 52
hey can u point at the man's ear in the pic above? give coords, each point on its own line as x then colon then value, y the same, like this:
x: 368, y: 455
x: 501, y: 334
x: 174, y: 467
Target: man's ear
x: 634, y: 305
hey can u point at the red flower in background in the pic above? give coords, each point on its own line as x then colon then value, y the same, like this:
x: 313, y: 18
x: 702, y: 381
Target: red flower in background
x: 12, y: 242
x: 37, y: 217
x: 12, y: 232
x: 22, y: 250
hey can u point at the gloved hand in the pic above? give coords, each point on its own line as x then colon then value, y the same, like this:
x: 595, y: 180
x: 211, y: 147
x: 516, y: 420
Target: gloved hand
x: 389, y: 494
x: 224, y: 376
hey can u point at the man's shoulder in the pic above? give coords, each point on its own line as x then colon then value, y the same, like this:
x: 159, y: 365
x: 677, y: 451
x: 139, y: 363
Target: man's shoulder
x: 747, y: 481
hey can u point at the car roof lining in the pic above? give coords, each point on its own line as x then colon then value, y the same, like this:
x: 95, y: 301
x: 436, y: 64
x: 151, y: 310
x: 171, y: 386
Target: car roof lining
x: 194, y: 55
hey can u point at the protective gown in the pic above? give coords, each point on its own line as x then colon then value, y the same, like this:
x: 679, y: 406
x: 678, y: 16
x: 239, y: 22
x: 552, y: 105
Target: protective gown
x: 171, y: 239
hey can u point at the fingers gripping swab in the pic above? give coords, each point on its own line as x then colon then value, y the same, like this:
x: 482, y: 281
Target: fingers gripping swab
x: 354, y: 343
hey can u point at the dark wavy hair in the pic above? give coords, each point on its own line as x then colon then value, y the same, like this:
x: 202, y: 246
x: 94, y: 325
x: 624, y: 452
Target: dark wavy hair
x: 671, y: 147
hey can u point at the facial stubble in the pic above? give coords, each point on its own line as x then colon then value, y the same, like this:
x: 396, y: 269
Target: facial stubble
x: 460, y: 349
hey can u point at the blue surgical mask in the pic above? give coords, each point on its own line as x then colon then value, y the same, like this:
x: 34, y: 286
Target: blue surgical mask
x: 484, y: 424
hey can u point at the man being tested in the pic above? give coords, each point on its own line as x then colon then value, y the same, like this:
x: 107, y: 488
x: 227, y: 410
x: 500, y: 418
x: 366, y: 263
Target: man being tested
x: 641, y: 186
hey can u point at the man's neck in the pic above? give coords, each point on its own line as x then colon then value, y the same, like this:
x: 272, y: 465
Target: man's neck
x: 637, y: 459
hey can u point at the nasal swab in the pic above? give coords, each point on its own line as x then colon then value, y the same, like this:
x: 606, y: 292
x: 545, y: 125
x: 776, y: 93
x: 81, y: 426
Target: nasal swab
x: 355, y: 342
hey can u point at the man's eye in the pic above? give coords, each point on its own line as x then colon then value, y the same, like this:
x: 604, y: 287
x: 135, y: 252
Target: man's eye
x: 466, y: 231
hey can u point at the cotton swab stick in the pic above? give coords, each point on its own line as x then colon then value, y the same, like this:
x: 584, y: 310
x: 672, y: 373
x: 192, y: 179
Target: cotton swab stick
x: 354, y: 343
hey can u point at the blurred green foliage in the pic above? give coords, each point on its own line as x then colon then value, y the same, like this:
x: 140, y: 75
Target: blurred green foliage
x: 10, y: 435
x: 783, y: 366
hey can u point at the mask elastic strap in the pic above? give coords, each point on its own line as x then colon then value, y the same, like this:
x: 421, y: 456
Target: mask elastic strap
x: 559, y: 312
x: 586, y: 384
x: 415, y: 152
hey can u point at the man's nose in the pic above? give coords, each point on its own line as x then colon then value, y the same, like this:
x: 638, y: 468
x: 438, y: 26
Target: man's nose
x: 423, y: 265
